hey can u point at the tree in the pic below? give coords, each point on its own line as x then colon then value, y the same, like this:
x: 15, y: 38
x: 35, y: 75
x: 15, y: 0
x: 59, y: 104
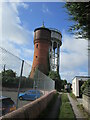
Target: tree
x: 85, y: 84
x: 9, y: 73
x: 54, y: 75
x: 9, y: 78
x: 80, y: 13
x: 63, y: 82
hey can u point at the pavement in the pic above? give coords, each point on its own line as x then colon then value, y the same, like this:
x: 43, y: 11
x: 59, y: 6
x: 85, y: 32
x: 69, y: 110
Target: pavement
x: 80, y: 100
x: 77, y: 112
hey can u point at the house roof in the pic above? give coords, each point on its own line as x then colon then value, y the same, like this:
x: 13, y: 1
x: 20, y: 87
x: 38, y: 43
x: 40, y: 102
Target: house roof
x: 81, y: 77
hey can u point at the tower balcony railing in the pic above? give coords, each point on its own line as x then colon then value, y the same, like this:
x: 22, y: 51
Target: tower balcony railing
x: 54, y: 29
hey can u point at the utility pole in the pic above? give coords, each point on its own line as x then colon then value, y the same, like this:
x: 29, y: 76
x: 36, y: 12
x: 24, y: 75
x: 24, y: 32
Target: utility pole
x: 19, y: 83
x: 4, y: 68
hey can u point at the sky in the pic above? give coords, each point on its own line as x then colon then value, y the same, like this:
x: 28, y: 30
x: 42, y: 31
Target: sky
x: 18, y: 21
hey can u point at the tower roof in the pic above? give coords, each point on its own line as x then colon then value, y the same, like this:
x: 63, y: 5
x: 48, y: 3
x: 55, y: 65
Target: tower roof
x: 43, y: 26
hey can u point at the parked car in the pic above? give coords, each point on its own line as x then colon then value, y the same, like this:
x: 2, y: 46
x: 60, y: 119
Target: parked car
x: 30, y: 95
x: 6, y: 105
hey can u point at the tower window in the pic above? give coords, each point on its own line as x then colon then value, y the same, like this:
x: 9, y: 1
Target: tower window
x: 36, y: 56
x: 36, y: 45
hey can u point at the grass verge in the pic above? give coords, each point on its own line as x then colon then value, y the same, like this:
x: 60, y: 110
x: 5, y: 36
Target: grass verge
x: 49, y: 107
x: 81, y: 108
x: 66, y: 111
x: 73, y: 96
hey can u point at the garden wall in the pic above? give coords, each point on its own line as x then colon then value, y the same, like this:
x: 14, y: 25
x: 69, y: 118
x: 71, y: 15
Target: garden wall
x: 86, y: 103
x: 31, y: 110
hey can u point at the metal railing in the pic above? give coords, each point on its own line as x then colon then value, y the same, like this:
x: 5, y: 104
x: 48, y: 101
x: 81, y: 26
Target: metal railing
x: 15, y: 78
x: 54, y: 29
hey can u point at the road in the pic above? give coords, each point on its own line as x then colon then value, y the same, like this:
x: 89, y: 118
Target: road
x: 13, y: 95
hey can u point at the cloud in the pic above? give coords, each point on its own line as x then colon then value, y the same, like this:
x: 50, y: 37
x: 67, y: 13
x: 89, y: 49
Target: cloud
x: 69, y: 75
x: 12, y: 30
x: 15, y: 37
x: 45, y: 9
x: 11, y: 61
x: 26, y: 6
x: 31, y: 10
x: 35, y: 0
x: 29, y: 52
x: 73, y: 57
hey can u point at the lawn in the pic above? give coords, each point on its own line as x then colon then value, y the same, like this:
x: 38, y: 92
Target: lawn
x: 64, y: 98
x: 66, y: 109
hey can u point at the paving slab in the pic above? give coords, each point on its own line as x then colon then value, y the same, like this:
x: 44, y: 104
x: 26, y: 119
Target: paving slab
x: 80, y: 100
x: 77, y: 112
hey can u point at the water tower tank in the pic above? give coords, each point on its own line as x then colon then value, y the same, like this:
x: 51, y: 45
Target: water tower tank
x: 56, y: 42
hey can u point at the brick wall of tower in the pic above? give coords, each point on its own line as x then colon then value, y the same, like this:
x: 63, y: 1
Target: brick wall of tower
x: 42, y: 37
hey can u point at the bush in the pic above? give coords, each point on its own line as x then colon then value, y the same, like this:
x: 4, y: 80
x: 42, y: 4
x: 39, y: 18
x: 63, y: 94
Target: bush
x: 86, y: 83
x: 54, y: 75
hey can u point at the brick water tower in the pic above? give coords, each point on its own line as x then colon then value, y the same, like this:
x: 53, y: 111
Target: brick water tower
x: 42, y: 41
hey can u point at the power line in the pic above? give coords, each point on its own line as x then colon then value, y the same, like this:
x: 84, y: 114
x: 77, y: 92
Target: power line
x: 10, y: 53
x: 14, y: 55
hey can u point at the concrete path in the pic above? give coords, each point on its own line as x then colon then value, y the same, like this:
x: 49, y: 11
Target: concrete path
x: 55, y: 110
x: 80, y: 100
x: 77, y: 112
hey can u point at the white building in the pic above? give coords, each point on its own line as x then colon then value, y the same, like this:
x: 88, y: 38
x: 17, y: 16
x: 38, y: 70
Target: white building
x: 77, y: 82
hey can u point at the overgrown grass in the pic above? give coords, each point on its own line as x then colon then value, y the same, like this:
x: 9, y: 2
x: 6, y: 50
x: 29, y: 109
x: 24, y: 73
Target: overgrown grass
x: 49, y: 107
x: 73, y: 96
x: 64, y: 98
x: 80, y: 106
x: 66, y: 109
